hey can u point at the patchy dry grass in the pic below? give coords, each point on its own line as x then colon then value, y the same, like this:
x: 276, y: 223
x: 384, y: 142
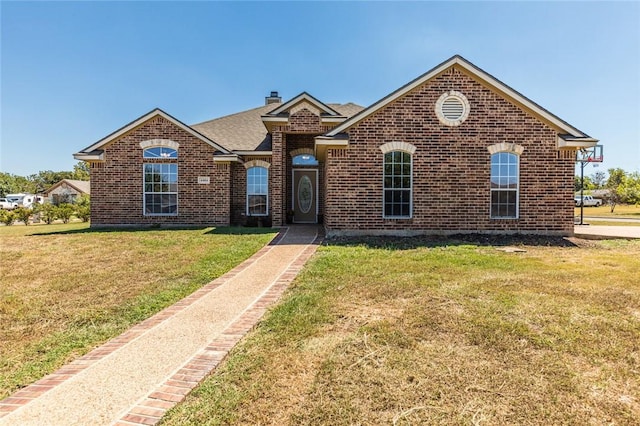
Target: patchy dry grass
x: 416, y: 332
x: 66, y: 288
x: 621, y: 211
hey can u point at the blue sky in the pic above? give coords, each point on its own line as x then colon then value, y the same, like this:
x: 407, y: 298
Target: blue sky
x: 73, y: 72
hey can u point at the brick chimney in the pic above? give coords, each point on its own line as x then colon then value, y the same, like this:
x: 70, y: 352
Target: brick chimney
x: 272, y: 99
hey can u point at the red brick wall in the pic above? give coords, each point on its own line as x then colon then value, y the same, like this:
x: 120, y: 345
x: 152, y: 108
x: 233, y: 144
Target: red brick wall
x: 451, y: 166
x: 299, y: 132
x: 117, y: 184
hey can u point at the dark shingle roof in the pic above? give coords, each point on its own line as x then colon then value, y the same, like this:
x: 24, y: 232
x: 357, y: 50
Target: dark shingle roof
x: 244, y: 131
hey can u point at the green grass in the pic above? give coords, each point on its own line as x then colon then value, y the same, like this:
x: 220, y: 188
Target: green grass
x: 416, y: 332
x: 620, y: 211
x: 67, y: 288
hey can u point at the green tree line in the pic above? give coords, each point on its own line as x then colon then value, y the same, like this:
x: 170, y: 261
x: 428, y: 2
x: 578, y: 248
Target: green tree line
x: 41, y: 181
x: 621, y: 187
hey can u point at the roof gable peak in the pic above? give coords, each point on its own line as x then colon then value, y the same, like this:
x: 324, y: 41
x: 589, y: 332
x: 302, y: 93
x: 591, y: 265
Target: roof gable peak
x: 156, y: 112
x: 476, y: 73
x: 304, y: 97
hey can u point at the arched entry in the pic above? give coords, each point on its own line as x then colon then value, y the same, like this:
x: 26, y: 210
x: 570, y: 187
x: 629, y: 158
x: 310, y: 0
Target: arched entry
x: 305, y: 189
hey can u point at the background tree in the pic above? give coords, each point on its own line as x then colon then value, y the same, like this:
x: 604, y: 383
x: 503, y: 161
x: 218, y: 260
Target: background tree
x: 588, y: 183
x: 13, y: 184
x: 83, y: 207
x: 614, y: 185
x: 81, y: 170
x: 23, y: 214
x: 599, y: 178
x: 48, y: 213
x: 7, y: 217
x: 64, y: 212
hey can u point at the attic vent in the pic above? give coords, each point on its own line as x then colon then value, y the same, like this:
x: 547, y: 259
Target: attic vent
x: 452, y: 108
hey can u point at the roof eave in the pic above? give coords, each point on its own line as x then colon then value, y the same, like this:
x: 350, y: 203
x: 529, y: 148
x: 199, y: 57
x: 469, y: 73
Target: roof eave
x: 81, y: 156
x: 482, y: 75
x: 146, y: 117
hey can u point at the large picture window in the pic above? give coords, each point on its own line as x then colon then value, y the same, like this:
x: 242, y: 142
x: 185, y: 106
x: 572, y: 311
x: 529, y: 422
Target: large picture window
x: 257, y: 191
x: 397, y: 184
x: 504, y: 185
x: 160, y: 189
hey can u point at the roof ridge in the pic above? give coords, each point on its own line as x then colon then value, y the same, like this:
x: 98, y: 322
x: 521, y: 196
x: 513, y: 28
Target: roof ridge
x: 236, y: 113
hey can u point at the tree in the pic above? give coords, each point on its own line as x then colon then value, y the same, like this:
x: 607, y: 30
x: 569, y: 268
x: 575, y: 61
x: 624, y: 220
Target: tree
x: 81, y: 171
x: 7, y: 217
x: 48, y: 213
x: 630, y: 189
x: 614, y: 185
x: 23, y: 214
x: 64, y: 211
x: 83, y: 207
x: 599, y: 179
x: 588, y: 184
x: 13, y: 184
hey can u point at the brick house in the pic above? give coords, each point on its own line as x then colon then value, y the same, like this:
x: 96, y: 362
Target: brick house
x: 67, y: 191
x: 453, y: 151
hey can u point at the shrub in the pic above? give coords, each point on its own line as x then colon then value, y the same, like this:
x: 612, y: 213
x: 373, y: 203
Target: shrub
x: 83, y: 207
x: 48, y: 213
x: 64, y: 212
x: 7, y: 217
x: 23, y: 214
x: 83, y: 212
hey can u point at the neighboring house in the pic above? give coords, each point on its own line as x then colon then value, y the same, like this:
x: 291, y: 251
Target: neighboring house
x: 67, y: 191
x: 453, y: 151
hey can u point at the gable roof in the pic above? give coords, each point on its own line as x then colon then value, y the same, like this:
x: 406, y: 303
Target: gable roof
x: 304, y: 96
x: 93, y: 151
x: 245, y: 131
x: 484, y: 77
x: 242, y: 131
x: 82, y: 186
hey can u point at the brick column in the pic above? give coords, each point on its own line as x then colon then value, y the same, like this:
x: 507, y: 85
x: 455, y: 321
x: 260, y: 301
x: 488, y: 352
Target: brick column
x: 222, y: 198
x: 277, y: 172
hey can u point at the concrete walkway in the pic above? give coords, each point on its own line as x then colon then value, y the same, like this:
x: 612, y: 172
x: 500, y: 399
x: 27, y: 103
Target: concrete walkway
x: 136, y: 377
x: 605, y: 232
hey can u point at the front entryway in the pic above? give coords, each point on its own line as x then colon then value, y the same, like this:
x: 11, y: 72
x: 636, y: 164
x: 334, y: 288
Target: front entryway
x: 305, y: 196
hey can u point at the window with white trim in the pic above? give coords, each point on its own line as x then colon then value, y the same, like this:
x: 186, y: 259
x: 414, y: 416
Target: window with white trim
x: 160, y: 189
x: 504, y: 185
x: 257, y: 191
x: 397, y: 186
x: 160, y: 152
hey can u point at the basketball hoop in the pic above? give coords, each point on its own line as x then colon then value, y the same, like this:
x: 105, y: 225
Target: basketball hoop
x: 586, y: 156
x: 590, y: 155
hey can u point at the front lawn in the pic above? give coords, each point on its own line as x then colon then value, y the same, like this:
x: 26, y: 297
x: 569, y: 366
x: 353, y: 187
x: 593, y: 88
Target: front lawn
x: 446, y: 332
x: 620, y: 211
x: 66, y: 288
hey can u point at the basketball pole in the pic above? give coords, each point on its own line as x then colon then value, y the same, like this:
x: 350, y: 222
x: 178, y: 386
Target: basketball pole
x: 582, y: 164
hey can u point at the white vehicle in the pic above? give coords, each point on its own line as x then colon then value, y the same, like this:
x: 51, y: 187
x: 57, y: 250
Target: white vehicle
x: 7, y: 204
x: 588, y: 201
x: 25, y: 200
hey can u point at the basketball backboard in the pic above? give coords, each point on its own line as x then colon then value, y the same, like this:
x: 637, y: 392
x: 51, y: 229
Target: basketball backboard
x: 590, y: 155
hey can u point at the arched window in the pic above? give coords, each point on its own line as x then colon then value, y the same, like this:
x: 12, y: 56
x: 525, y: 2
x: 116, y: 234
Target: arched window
x: 397, y: 187
x: 304, y: 160
x: 505, y: 177
x: 160, y: 179
x: 257, y: 191
x: 160, y: 152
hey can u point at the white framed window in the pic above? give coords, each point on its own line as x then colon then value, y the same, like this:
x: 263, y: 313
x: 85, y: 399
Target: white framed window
x: 397, y: 185
x: 257, y: 191
x: 505, y: 185
x: 160, y: 189
x: 160, y: 152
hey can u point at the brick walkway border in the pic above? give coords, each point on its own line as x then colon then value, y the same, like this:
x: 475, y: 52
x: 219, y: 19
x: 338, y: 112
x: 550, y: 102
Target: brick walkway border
x: 150, y: 410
